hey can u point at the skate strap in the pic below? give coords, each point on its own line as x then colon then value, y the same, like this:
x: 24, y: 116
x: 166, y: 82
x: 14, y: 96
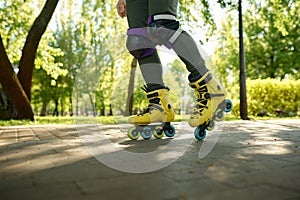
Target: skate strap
x: 209, y: 96
x: 159, y: 17
x: 216, y: 95
x: 203, y: 82
x: 152, y: 106
x: 156, y: 106
x: 175, y: 35
x: 164, y: 16
x: 154, y: 94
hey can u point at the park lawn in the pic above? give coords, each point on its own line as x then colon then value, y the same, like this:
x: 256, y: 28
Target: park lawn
x: 107, y: 120
x: 59, y: 120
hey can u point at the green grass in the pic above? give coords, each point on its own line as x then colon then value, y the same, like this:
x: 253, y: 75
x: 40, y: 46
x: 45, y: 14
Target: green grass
x: 59, y: 120
x: 108, y: 120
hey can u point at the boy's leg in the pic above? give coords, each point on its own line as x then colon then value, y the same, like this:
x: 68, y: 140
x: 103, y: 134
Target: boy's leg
x: 184, y: 45
x: 140, y: 46
x: 157, y: 7
x: 164, y: 29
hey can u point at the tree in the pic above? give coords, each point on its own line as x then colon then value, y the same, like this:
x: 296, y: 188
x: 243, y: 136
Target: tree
x: 272, y: 29
x: 18, y: 87
x: 92, y: 39
x: 243, y: 90
x: 12, y: 86
x: 271, y: 41
x: 129, y: 102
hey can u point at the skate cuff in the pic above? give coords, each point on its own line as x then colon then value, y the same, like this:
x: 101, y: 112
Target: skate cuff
x: 197, y: 84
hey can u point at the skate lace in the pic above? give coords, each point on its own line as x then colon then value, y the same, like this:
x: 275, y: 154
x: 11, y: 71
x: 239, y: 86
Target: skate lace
x: 202, y: 95
x: 154, y: 103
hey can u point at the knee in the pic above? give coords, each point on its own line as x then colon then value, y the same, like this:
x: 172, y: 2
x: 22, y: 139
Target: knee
x: 138, y: 43
x: 164, y: 29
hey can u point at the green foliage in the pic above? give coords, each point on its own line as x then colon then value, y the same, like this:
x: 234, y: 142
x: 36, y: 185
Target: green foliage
x: 48, y: 56
x: 272, y: 30
x: 272, y: 97
x: 15, y: 26
x: 93, y: 42
x: 271, y: 41
x: 198, y: 14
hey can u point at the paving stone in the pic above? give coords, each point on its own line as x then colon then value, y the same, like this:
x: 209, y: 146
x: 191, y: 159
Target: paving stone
x: 244, y: 160
x: 58, y: 191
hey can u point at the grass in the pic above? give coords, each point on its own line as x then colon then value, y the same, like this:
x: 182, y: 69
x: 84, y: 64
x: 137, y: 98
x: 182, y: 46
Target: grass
x: 59, y: 120
x: 106, y: 120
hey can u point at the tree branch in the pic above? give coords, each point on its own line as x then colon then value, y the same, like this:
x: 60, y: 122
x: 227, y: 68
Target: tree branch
x: 30, y: 48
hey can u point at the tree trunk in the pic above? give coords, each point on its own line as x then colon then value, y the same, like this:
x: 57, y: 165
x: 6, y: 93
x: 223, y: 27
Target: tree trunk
x: 55, y: 112
x: 110, y: 113
x: 6, y: 108
x: 29, y: 51
x: 13, y: 87
x: 44, y: 109
x: 62, y: 108
x: 71, y: 107
x: 102, y: 110
x: 92, y: 105
x: 129, y: 102
x: 243, y: 89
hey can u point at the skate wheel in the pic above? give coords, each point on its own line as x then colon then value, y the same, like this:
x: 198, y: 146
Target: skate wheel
x: 211, y: 125
x: 146, y: 133
x: 200, y: 133
x: 158, y: 132
x: 170, y: 131
x: 220, y: 116
x: 133, y: 133
x: 228, y: 107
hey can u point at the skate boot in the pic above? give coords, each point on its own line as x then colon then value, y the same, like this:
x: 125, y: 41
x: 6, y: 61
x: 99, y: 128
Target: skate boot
x: 159, y: 112
x: 210, y: 106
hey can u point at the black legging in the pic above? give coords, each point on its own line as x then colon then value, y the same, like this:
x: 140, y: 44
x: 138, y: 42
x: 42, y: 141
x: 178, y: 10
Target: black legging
x: 138, y: 12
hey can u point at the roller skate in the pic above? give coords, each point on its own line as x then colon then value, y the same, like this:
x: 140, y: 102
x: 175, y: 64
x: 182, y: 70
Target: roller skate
x: 156, y: 119
x: 210, y: 107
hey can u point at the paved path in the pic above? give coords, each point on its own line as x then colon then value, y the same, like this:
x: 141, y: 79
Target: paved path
x: 251, y: 160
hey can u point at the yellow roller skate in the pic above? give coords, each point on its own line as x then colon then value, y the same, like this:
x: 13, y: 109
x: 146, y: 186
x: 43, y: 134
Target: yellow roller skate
x: 210, y: 105
x: 156, y: 119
